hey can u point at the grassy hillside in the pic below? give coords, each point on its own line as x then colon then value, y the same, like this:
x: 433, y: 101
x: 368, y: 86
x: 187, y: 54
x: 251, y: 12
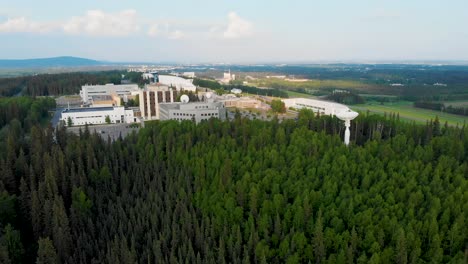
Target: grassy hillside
x: 407, y: 111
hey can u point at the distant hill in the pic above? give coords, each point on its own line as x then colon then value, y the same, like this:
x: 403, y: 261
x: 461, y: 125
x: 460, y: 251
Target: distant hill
x: 49, y: 62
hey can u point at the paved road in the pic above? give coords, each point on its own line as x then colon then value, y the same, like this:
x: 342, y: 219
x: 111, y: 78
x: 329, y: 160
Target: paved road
x: 112, y: 130
x: 57, y: 115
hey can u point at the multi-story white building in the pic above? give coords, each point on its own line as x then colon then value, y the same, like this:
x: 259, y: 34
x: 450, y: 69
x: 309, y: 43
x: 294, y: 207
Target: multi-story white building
x: 151, y: 98
x: 121, y: 90
x: 196, y: 111
x: 97, y: 115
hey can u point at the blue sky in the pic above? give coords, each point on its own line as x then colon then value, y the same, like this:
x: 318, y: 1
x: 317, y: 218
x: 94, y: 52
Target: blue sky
x: 235, y: 30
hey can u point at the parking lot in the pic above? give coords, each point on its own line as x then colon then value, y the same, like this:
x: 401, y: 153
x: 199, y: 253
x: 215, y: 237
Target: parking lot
x: 112, y: 130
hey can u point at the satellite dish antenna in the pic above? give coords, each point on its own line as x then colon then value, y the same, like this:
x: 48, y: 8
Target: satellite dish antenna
x: 347, y: 116
x: 184, y: 98
x: 208, y: 95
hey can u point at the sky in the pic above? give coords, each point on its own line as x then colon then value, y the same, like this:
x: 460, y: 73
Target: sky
x: 235, y: 31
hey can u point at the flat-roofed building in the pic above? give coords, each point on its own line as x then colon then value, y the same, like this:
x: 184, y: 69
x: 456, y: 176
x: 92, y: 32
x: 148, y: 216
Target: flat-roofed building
x: 97, y: 115
x: 180, y: 84
x: 121, y: 90
x: 243, y: 102
x: 196, y: 111
x: 105, y: 100
x: 318, y: 106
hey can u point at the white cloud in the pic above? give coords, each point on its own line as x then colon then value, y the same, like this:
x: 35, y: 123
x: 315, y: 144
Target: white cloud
x: 22, y: 24
x: 164, y: 30
x: 99, y: 23
x: 237, y: 27
x: 154, y: 30
x: 176, y: 34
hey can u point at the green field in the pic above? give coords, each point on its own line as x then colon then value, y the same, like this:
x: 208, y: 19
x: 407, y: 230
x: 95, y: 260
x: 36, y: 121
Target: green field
x: 410, y: 113
x: 293, y: 94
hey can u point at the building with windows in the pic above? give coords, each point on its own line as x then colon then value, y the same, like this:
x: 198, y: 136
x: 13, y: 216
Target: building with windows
x: 318, y: 106
x: 97, y: 115
x: 122, y: 90
x: 196, y: 111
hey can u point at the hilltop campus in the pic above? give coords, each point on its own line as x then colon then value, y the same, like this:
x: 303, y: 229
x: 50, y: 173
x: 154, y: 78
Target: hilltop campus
x: 168, y: 97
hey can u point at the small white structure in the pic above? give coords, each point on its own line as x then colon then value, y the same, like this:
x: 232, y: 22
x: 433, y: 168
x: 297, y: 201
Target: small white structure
x: 97, y: 115
x: 177, y: 82
x: 327, y: 108
x: 236, y: 91
x: 347, y: 116
x: 121, y: 90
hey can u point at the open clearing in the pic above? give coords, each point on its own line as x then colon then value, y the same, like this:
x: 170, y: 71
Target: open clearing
x: 408, y: 112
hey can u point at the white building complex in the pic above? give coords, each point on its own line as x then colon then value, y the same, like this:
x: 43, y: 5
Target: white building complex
x: 97, y: 115
x: 122, y: 90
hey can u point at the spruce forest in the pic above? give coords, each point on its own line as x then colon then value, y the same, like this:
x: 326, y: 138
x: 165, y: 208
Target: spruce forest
x: 240, y: 191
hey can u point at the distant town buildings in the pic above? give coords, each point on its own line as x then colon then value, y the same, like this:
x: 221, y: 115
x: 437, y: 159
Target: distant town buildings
x: 227, y: 77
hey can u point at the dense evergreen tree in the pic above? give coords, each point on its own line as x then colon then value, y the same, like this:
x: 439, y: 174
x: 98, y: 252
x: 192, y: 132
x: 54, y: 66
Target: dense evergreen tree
x: 237, y: 191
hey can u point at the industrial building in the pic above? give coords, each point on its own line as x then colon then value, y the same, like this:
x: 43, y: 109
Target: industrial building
x: 318, y: 106
x: 97, y: 115
x: 122, y: 90
x: 196, y: 111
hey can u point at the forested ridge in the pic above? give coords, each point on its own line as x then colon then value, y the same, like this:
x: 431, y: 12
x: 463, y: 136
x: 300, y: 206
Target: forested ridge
x: 62, y: 83
x: 237, y: 191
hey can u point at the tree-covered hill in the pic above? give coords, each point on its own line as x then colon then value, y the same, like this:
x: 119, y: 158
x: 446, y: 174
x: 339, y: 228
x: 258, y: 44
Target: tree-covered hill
x: 65, y: 61
x: 237, y: 192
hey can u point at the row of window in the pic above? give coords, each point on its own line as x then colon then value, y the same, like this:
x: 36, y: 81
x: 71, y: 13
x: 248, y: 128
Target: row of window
x: 182, y: 119
x: 183, y: 114
x: 201, y: 107
x: 310, y: 106
x: 210, y: 114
